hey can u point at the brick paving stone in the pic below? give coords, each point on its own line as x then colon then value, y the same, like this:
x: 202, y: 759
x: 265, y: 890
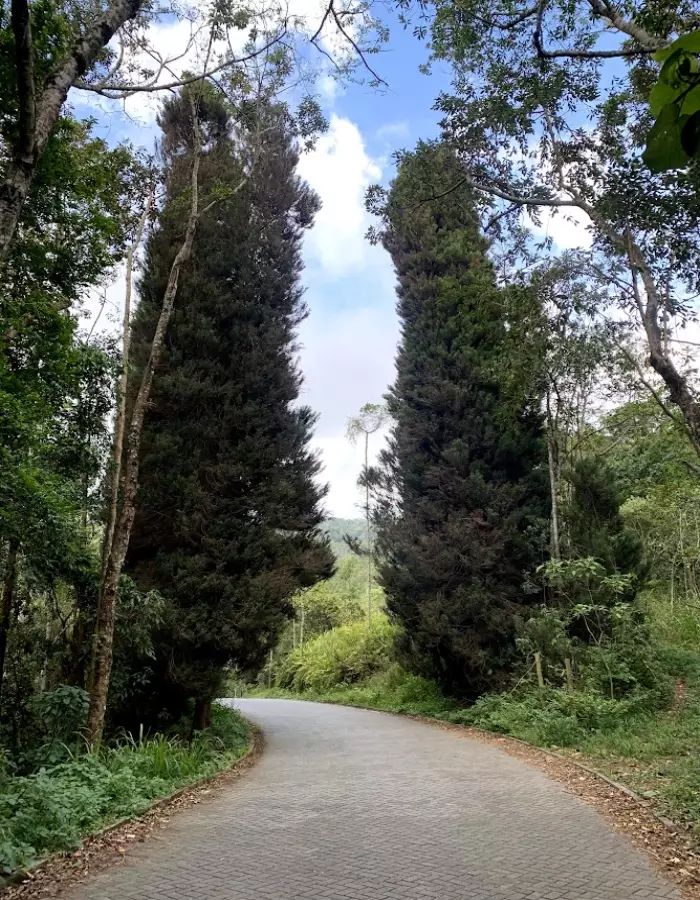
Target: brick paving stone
x: 347, y: 804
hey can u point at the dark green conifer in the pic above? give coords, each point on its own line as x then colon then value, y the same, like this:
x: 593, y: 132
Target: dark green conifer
x: 229, y: 507
x: 461, y: 523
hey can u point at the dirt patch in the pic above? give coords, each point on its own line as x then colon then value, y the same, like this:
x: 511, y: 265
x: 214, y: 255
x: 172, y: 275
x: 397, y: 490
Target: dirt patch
x: 111, y: 847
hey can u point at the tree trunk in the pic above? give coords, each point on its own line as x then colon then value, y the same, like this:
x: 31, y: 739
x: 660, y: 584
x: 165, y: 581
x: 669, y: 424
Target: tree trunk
x: 122, y: 388
x: 119, y: 427
x: 8, y: 594
x: 37, y: 119
x: 202, y: 714
x: 553, y: 488
x: 107, y: 604
x: 679, y: 387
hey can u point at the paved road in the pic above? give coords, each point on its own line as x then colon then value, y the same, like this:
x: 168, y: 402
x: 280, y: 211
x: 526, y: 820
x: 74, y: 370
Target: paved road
x: 354, y: 805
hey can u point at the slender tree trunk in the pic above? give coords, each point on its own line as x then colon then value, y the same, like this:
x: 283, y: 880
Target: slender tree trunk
x: 8, y: 594
x: 369, y: 535
x: 122, y: 389
x: 202, y: 714
x: 125, y: 520
x: 75, y: 670
x: 553, y: 488
x: 119, y: 426
x: 37, y: 118
x: 649, y: 306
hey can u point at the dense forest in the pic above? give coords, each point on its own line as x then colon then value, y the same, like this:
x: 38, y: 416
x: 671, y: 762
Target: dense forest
x: 529, y: 556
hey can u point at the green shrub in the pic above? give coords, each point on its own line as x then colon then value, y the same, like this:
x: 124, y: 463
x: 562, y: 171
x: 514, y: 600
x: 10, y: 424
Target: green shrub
x: 394, y: 690
x: 553, y: 717
x: 52, y: 809
x: 343, y: 655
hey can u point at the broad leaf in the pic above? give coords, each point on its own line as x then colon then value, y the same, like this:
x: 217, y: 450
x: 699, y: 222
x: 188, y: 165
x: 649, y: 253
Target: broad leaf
x: 691, y: 102
x: 664, y: 150
x: 661, y: 94
x: 689, y: 42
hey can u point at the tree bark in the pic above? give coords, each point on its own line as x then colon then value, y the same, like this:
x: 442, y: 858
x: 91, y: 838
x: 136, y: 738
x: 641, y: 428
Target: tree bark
x: 37, y: 119
x: 8, y: 594
x: 202, y: 714
x: 122, y: 532
x: 679, y: 389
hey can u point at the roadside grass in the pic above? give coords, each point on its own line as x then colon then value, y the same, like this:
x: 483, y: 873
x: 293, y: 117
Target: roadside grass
x: 52, y: 809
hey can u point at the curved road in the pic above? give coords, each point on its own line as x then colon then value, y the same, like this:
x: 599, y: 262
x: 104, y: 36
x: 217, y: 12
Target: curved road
x: 353, y: 805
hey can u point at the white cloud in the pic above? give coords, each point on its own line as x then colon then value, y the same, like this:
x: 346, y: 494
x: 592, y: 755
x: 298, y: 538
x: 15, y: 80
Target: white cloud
x: 568, y: 227
x: 340, y: 170
x: 343, y: 464
x: 328, y: 87
x: 348, y: 360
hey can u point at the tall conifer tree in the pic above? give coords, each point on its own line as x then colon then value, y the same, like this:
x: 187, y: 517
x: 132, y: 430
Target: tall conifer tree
x: 464, y: 471
x: 228, y: 507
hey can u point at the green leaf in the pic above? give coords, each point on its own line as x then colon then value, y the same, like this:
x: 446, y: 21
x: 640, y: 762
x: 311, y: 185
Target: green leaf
x: 690, y: 135
x: 689, y: 42
x: 664, y: 150
x: 667, y: 56
x: 691, y: 102
x: 661, y: 94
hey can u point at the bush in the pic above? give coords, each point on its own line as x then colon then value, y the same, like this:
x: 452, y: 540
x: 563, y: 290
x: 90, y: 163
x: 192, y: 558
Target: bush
x: 51, y: 810
x: 395, y: 691
x: 553, y: 717
x: 343, y: 655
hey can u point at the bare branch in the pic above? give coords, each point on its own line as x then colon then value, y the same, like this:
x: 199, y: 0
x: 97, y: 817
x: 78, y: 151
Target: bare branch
x: 323, y: 22
x: 103, y: 303
x: 118, y: 91
x: 515, y: 199
x: 354, y: 45
x: 495, y: 219
x: 645, y: 43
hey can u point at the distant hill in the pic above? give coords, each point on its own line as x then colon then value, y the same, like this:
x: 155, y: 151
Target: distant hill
x: 338, y: 528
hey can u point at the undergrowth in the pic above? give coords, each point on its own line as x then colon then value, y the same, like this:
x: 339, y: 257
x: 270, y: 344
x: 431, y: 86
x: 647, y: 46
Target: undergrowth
x: 51, y: 810
x: 342, y: 655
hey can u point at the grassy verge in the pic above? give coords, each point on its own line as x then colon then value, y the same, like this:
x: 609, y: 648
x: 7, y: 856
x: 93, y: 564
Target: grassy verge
x: 654, y: 752
x: 51, y: 811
